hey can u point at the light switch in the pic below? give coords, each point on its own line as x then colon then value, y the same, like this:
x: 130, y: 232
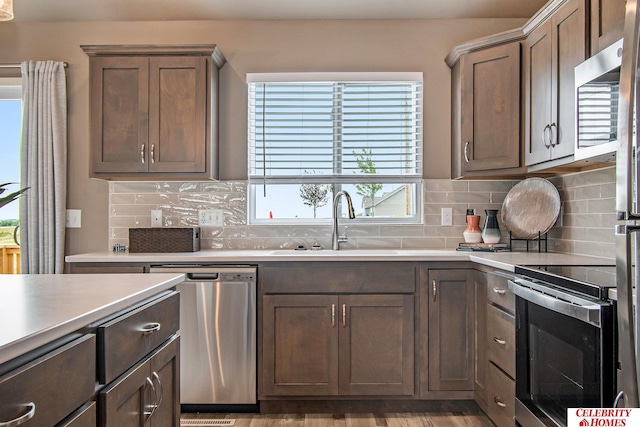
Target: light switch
x: 156, y: 218
x: 446, y: 217
x: 74, y: 218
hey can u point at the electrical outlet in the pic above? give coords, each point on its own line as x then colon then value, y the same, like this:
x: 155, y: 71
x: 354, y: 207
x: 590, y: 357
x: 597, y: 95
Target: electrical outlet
x: 211, y: 217
x: 156, y: 218
x: 74, y: 218
x: 446, y: 217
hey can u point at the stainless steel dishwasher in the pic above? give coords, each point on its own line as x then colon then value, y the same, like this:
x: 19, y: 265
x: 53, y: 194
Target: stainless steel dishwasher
x: 218, y: 335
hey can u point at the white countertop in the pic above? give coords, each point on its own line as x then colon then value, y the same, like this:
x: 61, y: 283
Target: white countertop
x: 38, y: 309
x: 502, y: 260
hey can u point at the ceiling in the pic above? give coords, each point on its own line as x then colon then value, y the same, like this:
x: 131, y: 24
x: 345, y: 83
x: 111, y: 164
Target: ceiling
x: 163, y: 10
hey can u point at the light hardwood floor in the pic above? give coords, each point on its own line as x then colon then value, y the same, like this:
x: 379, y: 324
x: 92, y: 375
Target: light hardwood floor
x: 423, y: 419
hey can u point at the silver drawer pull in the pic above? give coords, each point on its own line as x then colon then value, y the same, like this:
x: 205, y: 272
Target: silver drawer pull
x: 499, y: 291
x: 499, y: 402
x: 151, y: 328
x: 22, y: 418
x: 499, y: 341
x: 142, y: 153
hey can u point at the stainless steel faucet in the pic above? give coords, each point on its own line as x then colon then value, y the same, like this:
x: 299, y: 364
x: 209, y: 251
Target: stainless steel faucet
x: 337, y: 239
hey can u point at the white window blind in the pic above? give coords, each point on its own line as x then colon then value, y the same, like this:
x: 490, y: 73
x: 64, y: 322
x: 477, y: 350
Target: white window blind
x: 300, y: 131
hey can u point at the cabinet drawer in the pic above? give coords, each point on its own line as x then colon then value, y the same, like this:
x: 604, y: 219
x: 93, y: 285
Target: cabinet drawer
x: 128, y: 338
x: 51, y: 387
x: 83, y: 417
x: 501, y: 392
x: 501, y: 339
x: 498, y: 292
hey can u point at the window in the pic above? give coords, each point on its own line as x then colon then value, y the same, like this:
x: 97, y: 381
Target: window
x: 10, y: 125
x: 311, y: 137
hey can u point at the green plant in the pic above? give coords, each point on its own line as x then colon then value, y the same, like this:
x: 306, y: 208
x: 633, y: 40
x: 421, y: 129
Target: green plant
x: 5, y: 200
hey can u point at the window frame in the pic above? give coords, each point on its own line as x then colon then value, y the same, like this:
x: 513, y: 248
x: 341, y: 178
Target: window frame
x: 337, y: 181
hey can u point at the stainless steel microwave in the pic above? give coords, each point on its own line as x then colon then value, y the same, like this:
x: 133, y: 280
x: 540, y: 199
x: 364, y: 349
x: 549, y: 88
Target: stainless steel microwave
x: 597, y: 89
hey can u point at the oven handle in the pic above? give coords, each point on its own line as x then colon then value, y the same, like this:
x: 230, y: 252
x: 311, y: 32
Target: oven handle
x: 589, y: 313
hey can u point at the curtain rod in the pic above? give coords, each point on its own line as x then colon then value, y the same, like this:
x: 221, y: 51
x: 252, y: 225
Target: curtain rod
x: 18, y: 65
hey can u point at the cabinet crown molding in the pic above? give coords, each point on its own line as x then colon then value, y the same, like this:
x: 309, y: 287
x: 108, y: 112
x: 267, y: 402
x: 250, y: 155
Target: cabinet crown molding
x: 505, y: 37
x: 147, y: 50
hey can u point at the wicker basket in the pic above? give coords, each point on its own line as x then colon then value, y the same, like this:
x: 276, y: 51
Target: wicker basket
x: 183, y: 239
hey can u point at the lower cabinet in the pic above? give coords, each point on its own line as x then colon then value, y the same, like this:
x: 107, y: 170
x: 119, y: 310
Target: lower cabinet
x: 138, y: 363
x: 449, y: 301
x: 147, y: 394
x: 46, y: 390
x: 495, y: 388
x: 330, y: 345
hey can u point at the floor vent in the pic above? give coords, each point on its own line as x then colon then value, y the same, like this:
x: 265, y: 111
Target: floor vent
x: 206, y: 422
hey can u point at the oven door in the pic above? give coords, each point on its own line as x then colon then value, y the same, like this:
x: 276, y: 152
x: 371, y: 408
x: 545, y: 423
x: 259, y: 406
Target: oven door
x: 564, y: 359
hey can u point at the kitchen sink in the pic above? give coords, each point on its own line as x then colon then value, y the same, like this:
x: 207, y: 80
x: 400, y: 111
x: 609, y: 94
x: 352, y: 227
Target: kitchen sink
x: 341, y: 252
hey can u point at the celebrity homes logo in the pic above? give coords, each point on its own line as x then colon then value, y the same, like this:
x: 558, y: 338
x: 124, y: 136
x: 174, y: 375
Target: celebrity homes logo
x: 603, y: 417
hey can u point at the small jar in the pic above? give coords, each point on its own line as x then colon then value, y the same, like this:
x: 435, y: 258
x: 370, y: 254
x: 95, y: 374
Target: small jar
x: 472, y: 234
x: 491, y: 232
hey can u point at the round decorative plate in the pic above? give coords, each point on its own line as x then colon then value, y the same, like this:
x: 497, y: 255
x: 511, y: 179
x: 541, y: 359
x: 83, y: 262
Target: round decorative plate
x: 532, y: 206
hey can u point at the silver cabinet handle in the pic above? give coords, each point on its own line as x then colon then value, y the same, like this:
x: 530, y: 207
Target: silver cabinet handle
x: 544, y: 136
x: 499, y: 291
x: 499, y: 402
x: 466, y: 154
x: 142, y: 153
x: 344, y: 315
x: 153, y: 153
x: 151, y: 328
x: 156, y: 377
x: 499, y: 341
x: 434, y: 289
x: 150, y: 409
x: 22, y: 418
x: 554, y: 135
x: 333, y: 315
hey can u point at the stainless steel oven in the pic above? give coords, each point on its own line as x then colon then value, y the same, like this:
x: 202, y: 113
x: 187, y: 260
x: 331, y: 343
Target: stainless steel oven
x: 565, y: 348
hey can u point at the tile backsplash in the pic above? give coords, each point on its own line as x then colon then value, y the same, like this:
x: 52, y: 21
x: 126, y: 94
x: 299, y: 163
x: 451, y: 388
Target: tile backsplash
x: 585, y: 225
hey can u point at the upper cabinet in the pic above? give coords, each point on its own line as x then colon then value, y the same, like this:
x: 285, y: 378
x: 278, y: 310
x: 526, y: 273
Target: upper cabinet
x: 607, y: 22
x: 502, y: 130
x: 154, y: 112
x: 486, y: 112
x: 552, y: 50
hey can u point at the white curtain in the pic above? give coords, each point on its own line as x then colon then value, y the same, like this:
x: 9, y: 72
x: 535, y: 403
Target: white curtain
x: 43, y: 156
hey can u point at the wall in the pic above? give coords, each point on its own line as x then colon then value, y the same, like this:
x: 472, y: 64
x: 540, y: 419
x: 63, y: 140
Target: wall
x: 249, y: 46
x: 585, y: 225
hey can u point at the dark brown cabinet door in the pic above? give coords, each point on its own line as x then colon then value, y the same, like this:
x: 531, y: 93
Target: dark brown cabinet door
x: 451, y: 330
x: 490, y: 108
x: 538, y: 71
x: 607, y: 22
x: 376, y: 345
x: 551, y: 53
x: 165, y: 374
x: 300, y: 345
x: 119, y: 114
x: 177, y: 114
x: 140, y: 398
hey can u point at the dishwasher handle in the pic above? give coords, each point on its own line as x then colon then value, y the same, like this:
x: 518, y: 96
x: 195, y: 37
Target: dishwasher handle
x: 202, y: 276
